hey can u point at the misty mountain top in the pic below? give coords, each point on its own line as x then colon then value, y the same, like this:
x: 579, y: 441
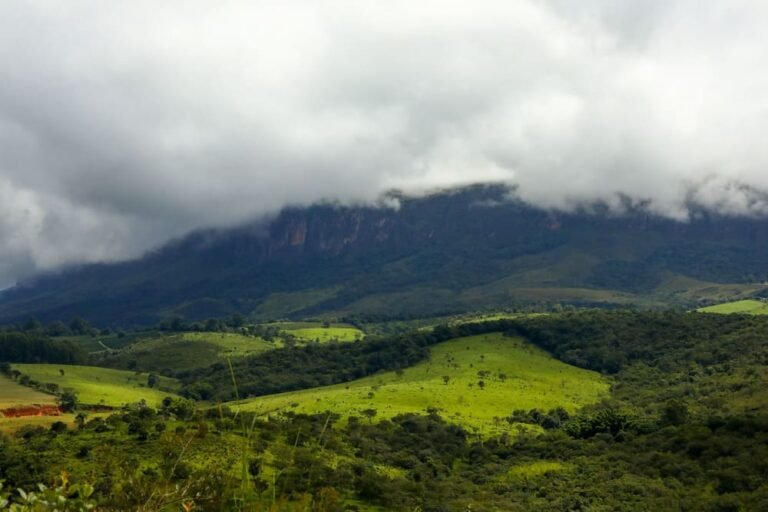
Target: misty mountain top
x: 123, y: 127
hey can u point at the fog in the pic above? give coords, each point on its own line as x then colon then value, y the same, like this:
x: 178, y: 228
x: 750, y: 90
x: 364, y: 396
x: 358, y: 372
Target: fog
x: 125, y: 124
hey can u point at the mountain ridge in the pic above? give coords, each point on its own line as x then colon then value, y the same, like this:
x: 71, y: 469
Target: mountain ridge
x: 474, y: 247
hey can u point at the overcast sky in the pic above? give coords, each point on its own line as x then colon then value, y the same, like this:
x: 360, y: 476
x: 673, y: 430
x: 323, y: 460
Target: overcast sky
x: 125, y: 123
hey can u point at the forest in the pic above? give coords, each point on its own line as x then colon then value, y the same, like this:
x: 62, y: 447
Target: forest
x: 683, y: 427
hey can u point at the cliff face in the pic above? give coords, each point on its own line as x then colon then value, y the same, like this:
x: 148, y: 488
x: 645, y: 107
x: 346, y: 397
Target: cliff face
x: 447, y: 251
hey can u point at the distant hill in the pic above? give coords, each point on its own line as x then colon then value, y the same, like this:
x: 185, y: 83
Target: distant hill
x: 744, y: 307
x: 458, y: 250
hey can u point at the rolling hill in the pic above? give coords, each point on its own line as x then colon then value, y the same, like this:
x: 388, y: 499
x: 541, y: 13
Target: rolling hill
x: 100, y: 386
x: 475, y: 381
x: 465, y: 249
x: 746, y: 307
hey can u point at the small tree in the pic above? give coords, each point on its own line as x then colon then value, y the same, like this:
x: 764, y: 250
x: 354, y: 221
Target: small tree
x: 369, y: 413
x: 80, y: 419
x: 68, y: 400
x: 446, y: 379
x: 151, y: 380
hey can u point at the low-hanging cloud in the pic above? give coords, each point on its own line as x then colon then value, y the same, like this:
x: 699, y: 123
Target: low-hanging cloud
x: 125, y: 123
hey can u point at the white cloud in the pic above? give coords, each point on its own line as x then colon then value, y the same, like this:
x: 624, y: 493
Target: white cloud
x: 122, y: 124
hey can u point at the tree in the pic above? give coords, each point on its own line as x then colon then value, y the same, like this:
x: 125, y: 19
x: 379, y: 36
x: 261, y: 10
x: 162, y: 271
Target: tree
x: 80, y: 326
x: 369, y: 413
x: 151, y: 380
x: 446, y: 379
x: 80, y: 419
x: 675, y: 413
x: 68, y: 400
x: 33, y: 324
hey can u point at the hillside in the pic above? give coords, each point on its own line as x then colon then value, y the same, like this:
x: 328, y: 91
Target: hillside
x: 460, y: 250
x: 746, y: 307
x: 475, y: 382
x: 100, y: 386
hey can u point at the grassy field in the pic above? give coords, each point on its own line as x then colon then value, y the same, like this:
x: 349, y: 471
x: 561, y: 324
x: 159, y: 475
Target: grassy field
x: 314, y: 331
x: 751, y: 307
x: 13, y: 394
x: 102, y: 342
x: 9, y: 425
x: 185, y: 351
x: 514, y: 375
x: 230, y: 344
x: 99, y: 386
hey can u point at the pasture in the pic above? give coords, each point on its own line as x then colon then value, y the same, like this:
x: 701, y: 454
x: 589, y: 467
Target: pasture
x: 100, y: 386
x: 13, y: 394
x: 184, y: 351
x: 746, y: 307
x: 315, y: 331
x: 475, y: 381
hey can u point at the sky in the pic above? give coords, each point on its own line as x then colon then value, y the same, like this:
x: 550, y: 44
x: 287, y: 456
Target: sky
x: 125, y: 124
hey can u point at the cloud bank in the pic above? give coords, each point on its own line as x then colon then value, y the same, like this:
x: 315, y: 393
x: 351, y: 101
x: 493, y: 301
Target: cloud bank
x: 125, y: 123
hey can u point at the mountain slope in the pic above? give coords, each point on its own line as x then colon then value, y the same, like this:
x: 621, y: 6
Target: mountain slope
x: 456, y: 250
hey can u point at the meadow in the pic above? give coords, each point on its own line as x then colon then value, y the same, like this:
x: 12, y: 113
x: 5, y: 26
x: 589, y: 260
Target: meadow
x: 100, y: 386
x: 475, y: 381
x: 183, y: 351
x: 747, y: 307
x: 13, y: 394
x: 316, y: 331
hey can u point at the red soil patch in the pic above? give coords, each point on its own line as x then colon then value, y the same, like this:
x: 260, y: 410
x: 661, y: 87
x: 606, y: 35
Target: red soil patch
x: 31, y: 410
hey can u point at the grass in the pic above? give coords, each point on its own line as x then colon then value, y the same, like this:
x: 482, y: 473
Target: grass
x: 230, y: 344
x: 13, y: 394
x: 9, y: 425
x: 750, y: 307
x: 326, y: 334
x: 520, y: 376
x: 185, y: 351
x: 100, y: 386
x: 535, y: 468
x: 282, y: 305
x: 314, y: 331
x: 101, y: 342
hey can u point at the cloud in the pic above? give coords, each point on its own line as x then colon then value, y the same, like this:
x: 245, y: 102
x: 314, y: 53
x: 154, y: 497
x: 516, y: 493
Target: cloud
x: 124, y: 124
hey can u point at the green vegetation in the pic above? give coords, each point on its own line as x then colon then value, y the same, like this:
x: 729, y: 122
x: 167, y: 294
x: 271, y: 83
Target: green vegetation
x: 171, y: 354
x: 321, y: 332
x: 281, y: 305
x: 747, y: 307
x: 31, y: 347
x: 676, y: 421
x: 100, y: 386
x: 13, y: 394
x: 475, y: 382
x: 315, y: 364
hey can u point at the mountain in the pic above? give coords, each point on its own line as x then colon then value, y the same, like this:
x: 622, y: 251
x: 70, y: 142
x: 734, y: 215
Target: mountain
x: 461, y: 249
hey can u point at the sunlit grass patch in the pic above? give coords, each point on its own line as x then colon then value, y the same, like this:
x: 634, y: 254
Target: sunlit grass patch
x: 475, y: 381
x: 100, y: 386
x: 751, y: 307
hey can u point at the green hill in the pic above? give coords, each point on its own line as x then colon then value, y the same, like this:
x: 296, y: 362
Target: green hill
x: 100, y: 386
x: 449, y: 252
x: 514, y: 375
x: 748, y: 307
x: 13, y: 394
x: 316, y: 331
x: 170, y: 353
